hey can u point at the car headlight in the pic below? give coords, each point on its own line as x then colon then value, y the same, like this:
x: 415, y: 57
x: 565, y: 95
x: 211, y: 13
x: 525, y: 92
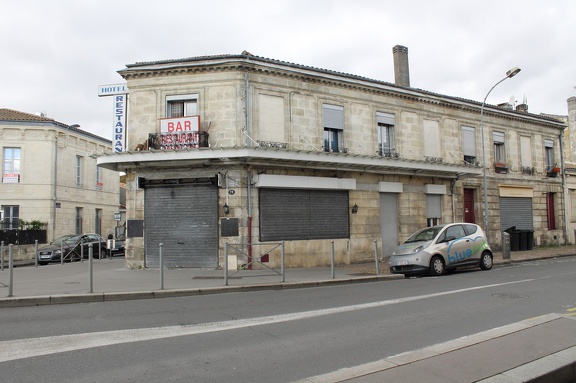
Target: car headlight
x: 417, y: 250
x: 57, y: 252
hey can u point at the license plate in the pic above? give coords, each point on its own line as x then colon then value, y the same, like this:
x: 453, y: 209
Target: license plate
x: 44, y: 257
x: 401, y: 263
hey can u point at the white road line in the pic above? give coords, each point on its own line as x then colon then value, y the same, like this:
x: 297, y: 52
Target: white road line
x: 27, y: 348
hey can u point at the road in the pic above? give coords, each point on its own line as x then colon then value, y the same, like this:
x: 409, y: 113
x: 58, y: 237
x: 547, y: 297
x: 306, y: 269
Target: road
x: 272, y: 336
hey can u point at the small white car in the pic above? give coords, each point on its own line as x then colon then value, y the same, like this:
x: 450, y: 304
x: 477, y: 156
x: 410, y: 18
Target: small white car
x: 442, y: 248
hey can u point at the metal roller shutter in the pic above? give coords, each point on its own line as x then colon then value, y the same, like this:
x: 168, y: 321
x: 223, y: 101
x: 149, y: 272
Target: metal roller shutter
x: 516, y: 211
x: 183, y: 218
x: 288, y: 214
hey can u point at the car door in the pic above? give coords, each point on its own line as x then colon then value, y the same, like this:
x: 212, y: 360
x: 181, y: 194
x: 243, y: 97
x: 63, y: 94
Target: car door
x: 459, y: 246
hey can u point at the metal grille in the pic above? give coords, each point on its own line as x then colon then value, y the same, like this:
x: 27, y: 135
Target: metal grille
x: 184, y: 219
x: 516, y: 211
x: 287, y: 214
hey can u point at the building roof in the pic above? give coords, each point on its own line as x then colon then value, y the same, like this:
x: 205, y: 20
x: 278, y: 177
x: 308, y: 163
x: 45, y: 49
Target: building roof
x: 10, y: 115
x: 247, y: 57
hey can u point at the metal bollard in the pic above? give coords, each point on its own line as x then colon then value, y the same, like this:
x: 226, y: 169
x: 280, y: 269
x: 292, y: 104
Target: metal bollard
x: 161, y: 268
x: 2, y: 255
x: 226, y: 264
x: 11, y: 267
x: 90, y: 270
x: 36, y: 253
x: 283, y: 267
x: 61, y: 252
x: 332, y: 259
x: 376, y: 257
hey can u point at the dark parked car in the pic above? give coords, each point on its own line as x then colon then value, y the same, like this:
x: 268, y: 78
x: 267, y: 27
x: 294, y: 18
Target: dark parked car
x: 119, y: 245
x: 71, y: 248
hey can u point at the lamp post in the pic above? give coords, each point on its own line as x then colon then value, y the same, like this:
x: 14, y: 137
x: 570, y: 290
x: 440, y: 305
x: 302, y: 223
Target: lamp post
x: 511, y: 73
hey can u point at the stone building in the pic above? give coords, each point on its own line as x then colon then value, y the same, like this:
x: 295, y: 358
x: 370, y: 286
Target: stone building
x: 241, y: 153
x: 50, y: 175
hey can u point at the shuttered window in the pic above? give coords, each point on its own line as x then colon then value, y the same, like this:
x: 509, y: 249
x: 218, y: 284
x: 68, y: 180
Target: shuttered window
x: 469, y: 144
x: 288, y: 214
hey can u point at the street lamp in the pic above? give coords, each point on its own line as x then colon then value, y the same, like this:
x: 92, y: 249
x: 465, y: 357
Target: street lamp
x: 511, y: 73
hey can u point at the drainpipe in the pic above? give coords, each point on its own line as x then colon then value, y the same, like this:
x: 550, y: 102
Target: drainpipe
x: 452, y: 185
x: 248, y: 171
x: 564, y: 190
x: 55, y: 187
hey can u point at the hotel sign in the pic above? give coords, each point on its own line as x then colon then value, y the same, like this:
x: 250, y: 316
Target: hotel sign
x: 120, y: 94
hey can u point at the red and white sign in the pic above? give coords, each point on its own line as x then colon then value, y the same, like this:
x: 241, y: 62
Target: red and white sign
x: 11, y: 178
x: 187, y: 124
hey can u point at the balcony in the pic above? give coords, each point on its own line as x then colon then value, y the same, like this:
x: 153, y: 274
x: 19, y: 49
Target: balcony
x: 552, y: 171
x: 500, y: 167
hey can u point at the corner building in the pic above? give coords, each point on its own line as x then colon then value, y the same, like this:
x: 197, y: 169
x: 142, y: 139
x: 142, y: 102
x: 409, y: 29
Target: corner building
x: 242, y: 152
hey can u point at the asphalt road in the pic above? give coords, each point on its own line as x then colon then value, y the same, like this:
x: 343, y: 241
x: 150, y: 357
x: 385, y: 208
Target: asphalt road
x: 272, y: 336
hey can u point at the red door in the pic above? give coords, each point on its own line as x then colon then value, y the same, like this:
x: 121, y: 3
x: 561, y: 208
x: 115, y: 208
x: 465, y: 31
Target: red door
x: 469, y: 206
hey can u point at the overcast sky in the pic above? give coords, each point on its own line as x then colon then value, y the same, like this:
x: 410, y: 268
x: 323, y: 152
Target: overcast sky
x: 56, y: 53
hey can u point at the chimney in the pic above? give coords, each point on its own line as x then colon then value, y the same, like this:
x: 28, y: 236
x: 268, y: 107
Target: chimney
x: 401, y: 71
x: 522, y: 108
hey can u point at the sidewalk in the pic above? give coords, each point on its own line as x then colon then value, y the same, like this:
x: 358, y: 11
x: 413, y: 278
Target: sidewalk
x: 536, y: 350
x: 70, y: 283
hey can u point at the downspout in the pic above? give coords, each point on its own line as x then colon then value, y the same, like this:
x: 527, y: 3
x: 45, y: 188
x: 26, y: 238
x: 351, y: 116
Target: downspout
x: 452, y: 185
x: 564, y: 190
x: 55, y: 187
x: 248, y: 171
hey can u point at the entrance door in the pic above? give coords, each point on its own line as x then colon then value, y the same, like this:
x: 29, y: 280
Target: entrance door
x: 469, y: 206
x: 389, y: 222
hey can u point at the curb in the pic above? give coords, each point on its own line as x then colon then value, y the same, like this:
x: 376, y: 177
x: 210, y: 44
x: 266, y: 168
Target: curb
x: 156, y: 294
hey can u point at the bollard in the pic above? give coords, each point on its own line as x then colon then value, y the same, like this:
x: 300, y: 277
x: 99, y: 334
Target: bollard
x: 376, y: 257
x: 161, y: 268
x: 283, y: 268
x: 82, y: 250
x: 332, y: 259
x: 36, y: 253
x: 226, y: 264
x: 90, y: 270
x: 2, y: 255
x: 61, y: 252
x: 11, y: 267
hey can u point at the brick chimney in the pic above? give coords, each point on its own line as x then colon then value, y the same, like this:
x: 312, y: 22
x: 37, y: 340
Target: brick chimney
x: 401, y: 70
x: 522, y: 108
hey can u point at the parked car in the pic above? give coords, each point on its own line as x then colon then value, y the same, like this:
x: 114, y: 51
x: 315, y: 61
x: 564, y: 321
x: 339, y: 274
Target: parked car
x: 71, y: 246
x: 442, y: 248
x: 119, y: 245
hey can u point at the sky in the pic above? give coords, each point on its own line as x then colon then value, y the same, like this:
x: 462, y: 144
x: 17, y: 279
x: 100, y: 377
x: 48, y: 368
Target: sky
x: 55, y: 54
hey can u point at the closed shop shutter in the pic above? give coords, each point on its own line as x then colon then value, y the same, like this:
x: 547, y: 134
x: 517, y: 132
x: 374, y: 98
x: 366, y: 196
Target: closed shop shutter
x: 288, y: 214
x: 516, y: 211
x: 184, y: 219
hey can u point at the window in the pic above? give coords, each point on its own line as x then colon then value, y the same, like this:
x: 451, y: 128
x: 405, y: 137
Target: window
x: 182, y: 105
x: 79, y: 172
x: 499, y: 149
x: 550, y: 211
x: 431, y: 130
x: 433, y: 209
x: 98, y: 221
x: 11, y: 217
x: 525, y: 151
x: 572, y: 194
x: 385, y: 134
x: 11, y: 171
x: 98, y: 179
x: 78, y: 221
x: 333, y: 120
x: 469, y: 144
x: 549, y: 152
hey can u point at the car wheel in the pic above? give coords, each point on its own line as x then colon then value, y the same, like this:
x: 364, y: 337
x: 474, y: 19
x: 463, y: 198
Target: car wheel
x: 437, y: 266
x: 486, y: 261
x: 42, y: 263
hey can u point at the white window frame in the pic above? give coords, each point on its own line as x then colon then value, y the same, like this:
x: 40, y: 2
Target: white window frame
x: 11, y: 164
x: 386, y: 134
x: 188, y: 103
x: 499, y: 139
x: 549, y: 153
x: 469, y: 144
x: 79, y: 170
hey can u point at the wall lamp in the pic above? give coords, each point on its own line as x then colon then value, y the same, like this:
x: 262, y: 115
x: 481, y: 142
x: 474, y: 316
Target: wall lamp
x: 511, y: 73
x: 354, y: 209
x: 226, y: 209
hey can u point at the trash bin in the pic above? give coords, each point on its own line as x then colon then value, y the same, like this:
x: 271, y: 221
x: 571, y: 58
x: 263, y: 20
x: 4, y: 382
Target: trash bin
x: 523, y: 240
x: 530, y: 239
x: 514, y: 238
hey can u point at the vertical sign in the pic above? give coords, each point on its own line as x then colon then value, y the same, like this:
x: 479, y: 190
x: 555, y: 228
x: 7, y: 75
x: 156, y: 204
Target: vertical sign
x: 120, y: 94
x: 119, y: 137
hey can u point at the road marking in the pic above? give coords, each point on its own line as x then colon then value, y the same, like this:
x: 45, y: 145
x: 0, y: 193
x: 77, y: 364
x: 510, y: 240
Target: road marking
x: 27, y: 348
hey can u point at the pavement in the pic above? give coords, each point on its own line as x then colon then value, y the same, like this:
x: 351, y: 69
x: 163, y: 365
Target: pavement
x: 541, y: 349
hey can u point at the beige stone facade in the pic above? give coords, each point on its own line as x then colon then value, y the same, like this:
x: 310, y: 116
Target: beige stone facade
x: 58, y: 181
x: 266, y: 124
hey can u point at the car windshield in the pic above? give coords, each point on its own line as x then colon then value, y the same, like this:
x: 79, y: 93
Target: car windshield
x: 65, y: 239
x: 121, y: 237
x: 427, y: 234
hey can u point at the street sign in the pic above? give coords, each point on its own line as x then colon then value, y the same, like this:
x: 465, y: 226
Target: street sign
x: 117, y: 216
